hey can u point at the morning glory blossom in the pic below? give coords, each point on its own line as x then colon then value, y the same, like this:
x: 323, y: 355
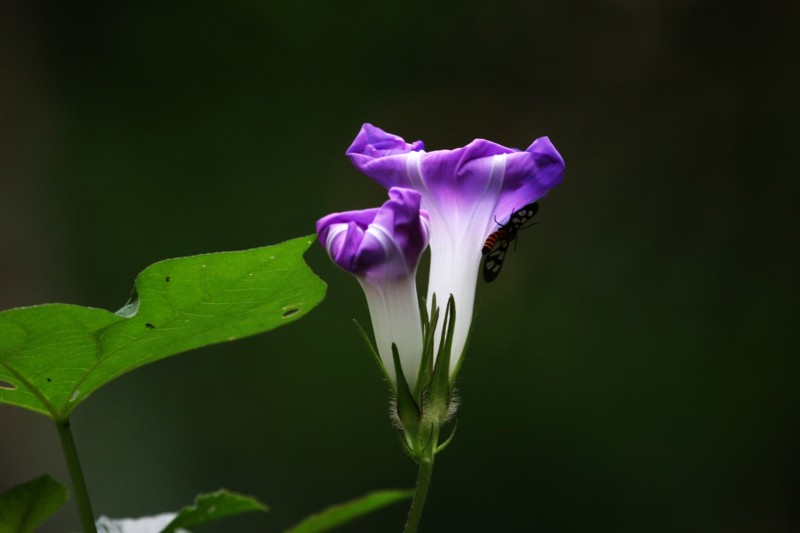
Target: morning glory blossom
x: 382, y: 248
x: 466, y: 191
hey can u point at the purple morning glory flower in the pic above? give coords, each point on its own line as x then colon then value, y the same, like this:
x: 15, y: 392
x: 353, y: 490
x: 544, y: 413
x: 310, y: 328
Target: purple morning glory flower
x: 464, y: 191
x: 382, y: 248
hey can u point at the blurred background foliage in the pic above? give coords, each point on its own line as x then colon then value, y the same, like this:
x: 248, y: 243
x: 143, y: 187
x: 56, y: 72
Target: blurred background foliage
x: 631, y: 370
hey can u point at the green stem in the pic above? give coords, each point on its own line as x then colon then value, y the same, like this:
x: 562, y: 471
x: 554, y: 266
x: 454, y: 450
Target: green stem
x: 76, y: 475
x: 423, y: 482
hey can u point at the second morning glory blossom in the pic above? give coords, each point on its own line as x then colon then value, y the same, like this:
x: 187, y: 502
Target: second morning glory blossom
x: 382, y: 248
x: 466, y: 191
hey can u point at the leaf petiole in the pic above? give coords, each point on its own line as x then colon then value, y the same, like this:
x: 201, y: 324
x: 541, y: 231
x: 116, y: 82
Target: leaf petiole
x: 76, y: 475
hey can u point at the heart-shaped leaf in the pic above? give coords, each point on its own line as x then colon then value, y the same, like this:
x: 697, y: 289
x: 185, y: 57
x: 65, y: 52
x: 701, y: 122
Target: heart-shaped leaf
x: 24, y: 507
x: 54, y: 356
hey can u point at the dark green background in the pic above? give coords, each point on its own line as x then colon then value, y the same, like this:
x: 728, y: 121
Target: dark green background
x: 631, y: 370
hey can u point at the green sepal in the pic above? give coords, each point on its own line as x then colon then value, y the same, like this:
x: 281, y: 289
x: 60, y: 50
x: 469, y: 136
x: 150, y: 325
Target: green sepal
x: 403, y: 439
x: 407, y: 408
x: 440, y: 380
x: 428, y: 336
x: 375, y: 355
x: 444, y: 445
x: 423, y: 312
x: 454, y: 373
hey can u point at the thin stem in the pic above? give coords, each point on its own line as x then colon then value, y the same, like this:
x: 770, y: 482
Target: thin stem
x: 423, y: 482
x: 76, y: 476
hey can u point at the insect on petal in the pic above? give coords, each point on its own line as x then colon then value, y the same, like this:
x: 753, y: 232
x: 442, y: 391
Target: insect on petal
x: 497, y: 243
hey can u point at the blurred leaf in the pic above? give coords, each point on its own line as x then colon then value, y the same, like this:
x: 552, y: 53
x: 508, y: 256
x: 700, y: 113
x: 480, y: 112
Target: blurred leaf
x: 212, y: 507
x: 24, y: 507
x: 337, y: 515
x: 52, y: 357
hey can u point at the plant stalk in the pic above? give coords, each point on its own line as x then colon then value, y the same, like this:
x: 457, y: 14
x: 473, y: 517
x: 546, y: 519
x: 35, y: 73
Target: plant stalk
x: 76, y: 476
x: 423, y: 482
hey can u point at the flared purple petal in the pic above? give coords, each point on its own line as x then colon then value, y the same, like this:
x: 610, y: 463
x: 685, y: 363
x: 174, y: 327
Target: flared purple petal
x: 400, y: 218
x: 382, y: 156
x: 385, y: 243
x: 362, y: 218
x: 529, y: 176
x: 374, y: 142
x: 458, y: 179
x: 342, y: 234
x: 482, y: 171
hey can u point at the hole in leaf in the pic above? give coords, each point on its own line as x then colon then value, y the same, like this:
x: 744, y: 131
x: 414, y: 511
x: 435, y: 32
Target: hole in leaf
x: 287, y: 312
x: 131, y: 307
x: 7, y: 386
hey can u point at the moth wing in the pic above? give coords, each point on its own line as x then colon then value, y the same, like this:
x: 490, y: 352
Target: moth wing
x: 523, y: 215
x: 494, y: 261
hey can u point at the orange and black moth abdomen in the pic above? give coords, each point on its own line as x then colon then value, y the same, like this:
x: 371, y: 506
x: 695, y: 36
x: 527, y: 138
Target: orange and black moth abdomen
x: 492, y: 239
x: 496, y: 245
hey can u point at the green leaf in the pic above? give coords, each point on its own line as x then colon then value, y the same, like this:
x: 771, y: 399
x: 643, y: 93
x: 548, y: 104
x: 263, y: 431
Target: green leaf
x: 337, y: 515
x: 212, y: 507
x: 54, y: 356
x: 24, y: 507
